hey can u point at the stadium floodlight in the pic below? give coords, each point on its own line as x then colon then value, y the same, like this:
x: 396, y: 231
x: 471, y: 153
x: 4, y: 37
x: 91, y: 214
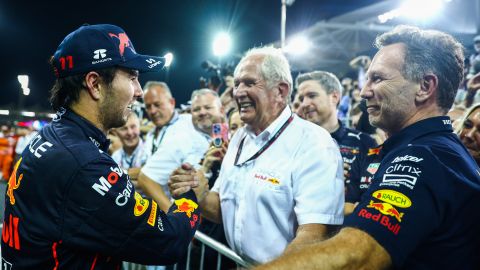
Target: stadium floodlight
x: 23, y: 80
x: 222, y: 44
x: 4, y: 112
x: 168, y: 59
x: 298, y: 45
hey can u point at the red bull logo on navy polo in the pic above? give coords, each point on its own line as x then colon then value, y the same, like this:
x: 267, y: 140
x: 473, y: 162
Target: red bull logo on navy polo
x: 389, y: 216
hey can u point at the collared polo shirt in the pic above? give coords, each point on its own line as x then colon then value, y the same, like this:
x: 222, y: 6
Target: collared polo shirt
x: 297, y: 180
x: 422, y: 203
x: 187, y: 146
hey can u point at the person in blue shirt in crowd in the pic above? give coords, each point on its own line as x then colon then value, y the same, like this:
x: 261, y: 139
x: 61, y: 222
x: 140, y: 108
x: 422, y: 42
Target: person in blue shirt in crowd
x: 420, y: 211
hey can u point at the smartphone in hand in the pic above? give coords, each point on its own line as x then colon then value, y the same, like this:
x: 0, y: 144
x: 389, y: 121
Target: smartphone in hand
x: 219, y: 134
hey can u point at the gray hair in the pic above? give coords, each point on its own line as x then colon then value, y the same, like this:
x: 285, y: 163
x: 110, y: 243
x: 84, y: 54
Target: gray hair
x: 327, y: 80
x: 205, y: 91
x: 163, y: 85
x: 274, y: 68
x: 429, y: 51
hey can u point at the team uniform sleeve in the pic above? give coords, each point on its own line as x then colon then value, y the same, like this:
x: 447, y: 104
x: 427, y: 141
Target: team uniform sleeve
x: 104, y: 214
x: 318, y: 186
x: 352, y: 182
x: 403, y: 204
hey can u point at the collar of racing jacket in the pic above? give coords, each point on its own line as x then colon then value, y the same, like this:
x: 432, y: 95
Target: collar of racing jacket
x: 96, y: 136
x: 340, y: 132
x: 416, y: 130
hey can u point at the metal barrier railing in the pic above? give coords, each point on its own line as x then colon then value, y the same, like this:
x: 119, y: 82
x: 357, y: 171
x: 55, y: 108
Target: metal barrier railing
x: 205, y: 241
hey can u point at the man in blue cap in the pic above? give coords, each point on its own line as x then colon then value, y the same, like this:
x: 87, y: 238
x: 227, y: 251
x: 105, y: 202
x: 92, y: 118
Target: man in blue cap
x: 69, y: 205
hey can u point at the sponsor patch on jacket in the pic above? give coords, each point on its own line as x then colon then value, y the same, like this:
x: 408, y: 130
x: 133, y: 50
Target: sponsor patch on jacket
x: 392, y: 197
x: 153, y: 214
x: 185, y: 206
x: 141, y: 205
x: 373, y: 168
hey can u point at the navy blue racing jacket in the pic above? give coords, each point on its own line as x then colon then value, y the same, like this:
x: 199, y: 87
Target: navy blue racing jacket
x: 70, y: 206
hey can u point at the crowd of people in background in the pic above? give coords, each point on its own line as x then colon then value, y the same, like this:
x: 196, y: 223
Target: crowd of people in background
x: 301, y: 154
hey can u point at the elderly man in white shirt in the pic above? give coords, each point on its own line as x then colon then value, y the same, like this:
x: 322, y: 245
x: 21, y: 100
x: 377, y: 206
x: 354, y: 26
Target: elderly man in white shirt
x: 281, y: 182
x: 188, y: 145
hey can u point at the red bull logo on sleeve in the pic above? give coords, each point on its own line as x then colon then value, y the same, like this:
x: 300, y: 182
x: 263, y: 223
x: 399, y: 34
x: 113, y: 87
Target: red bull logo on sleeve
x: 393, y: 197
x: 141, y: 205
x: 386, y: 209
x: 185, y: 206
x: 381, y: 219
x: 13, y: 183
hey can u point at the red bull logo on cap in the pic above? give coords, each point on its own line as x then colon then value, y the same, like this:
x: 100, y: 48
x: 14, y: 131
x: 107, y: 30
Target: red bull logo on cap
x: 185, y: 206
x: 386, y: 209
x: 124, y: 42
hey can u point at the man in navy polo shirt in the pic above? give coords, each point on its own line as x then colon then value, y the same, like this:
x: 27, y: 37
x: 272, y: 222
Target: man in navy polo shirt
x: 68, y: 204
x: 319, y: 93
x: 420, y: 211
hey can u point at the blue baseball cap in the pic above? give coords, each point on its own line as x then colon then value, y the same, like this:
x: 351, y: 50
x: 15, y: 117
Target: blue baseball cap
x: 94, y: 47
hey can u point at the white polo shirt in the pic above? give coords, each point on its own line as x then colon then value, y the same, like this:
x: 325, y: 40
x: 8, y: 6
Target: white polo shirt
x: 188, y: 145
x: 179, y: 123
x: 297, y: 180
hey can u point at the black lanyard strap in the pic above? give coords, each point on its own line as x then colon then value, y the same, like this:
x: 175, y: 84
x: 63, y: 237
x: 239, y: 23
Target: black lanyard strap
x: 264, y: 147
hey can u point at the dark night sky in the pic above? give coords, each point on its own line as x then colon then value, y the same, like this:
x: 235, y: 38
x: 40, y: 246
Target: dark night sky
x: 30, y: 32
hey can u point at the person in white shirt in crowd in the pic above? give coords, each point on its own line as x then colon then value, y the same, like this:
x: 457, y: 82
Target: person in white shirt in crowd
x: 132, y: 155
x: 281, y: 182
x: 188, y: 145
x: 160, y: 107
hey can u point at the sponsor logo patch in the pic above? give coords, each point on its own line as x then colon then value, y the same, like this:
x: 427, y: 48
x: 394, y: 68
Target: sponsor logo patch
x: 104, y: 184
x: 153, y: 214
x: 373, y: 168
x: 141, y: 205
x: 398, y: 179
x: 392, y: 197
x: 374, y: 151
x: 13, y: 183
x: 269, y: 177
x: 386, y: 209
x: 403, y: 169
x: 383, y: 220
x: 185, y: 206
x: 407, y: 158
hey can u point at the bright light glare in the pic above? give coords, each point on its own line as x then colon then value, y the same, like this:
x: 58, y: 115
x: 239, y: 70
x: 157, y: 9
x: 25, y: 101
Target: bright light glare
x: 23, y: 80
x: 414, y: 9
x: 28, y: 114
x: 298, y: 45
x: 168, y: 59
x: 51, y: 115
x: 222, y: 44
x: 4, y: 112
x: 424, y: 9
x: 26, y: 91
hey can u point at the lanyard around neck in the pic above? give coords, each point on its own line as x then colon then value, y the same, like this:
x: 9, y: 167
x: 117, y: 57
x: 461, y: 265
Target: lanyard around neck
x: 264, y: 147
x: 156, y: 143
